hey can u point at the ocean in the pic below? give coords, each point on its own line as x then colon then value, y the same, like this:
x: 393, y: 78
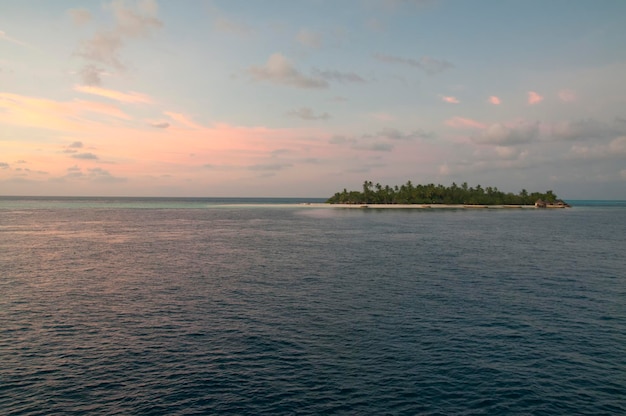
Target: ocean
x: 201, y: 306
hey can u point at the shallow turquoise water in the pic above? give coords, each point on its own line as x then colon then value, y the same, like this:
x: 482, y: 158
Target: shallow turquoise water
x: 178, y: 308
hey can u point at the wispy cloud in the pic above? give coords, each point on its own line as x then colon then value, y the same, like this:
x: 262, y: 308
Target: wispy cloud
x: 49, y: 114
x: 5, y: 37
x: 279, y: 70
x: 105, y: 46
x: 450, y: 99
x: 463, y: 123
x: 306, y: 113
x: 427, y: 64
x: 269, y: 166
x: 309, y: 39
x: 494, y: 100
x: 91, y: 75
x: 567, y: 96
x: 534, y: 98
x: 395, y: 134
x: 343, y: 77
x: 130, y: 97
x: 180, y: 118
x: 160, y: 124
x: 80, y: 16
x: 85, y: 156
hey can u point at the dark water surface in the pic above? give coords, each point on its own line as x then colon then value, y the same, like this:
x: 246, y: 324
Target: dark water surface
x: 184, y: 307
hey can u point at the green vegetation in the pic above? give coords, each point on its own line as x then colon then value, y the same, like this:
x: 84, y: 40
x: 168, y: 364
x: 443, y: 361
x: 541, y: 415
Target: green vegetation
x: 437, y: 194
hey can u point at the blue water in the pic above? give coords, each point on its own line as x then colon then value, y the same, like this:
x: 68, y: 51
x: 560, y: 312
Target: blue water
x: 194, y: 306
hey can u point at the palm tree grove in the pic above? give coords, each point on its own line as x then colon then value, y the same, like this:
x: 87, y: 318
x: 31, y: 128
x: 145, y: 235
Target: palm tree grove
x: 437, y: 194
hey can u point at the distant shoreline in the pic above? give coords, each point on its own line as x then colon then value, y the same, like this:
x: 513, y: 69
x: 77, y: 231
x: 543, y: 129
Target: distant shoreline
x: 420, y: 206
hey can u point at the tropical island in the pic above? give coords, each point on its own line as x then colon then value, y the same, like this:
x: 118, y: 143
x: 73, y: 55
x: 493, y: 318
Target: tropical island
x: 431, y: 194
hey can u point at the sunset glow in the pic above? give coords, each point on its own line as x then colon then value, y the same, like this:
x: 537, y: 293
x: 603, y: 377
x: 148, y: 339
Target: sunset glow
x: 260, y: 99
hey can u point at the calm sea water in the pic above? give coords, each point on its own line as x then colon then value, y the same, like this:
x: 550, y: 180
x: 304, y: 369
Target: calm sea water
x: 206, y: 306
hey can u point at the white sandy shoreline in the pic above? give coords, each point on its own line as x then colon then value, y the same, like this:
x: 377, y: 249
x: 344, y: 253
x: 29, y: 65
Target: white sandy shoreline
x: 322, y: 205
x: 416, y: 206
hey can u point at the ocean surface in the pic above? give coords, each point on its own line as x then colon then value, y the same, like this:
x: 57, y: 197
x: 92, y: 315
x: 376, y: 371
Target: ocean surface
x: 147, y: 306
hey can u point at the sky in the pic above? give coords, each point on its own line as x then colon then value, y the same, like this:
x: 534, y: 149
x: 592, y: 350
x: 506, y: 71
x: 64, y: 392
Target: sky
x: 283, y: 98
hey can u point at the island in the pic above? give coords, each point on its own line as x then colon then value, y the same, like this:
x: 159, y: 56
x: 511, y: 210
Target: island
x: 438, y: 195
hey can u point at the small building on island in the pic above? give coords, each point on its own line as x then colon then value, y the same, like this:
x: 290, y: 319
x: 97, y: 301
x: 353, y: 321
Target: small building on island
x: 559, y: 203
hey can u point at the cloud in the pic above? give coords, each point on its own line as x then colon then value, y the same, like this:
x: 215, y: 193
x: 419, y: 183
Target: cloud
x: 80, y: 16
x: 75, y: 145
x: 279, y: 70
x: 270, y: 166
x: 567, y: 96
x: 616, y: 148
x: 501, y: 134
x: 395, y: 134
x: 462, y: 123
x: 309, y: 39
x: 4, y: 165
x: 494, y: 100
x: 91, y: 75
x: 382, y: 141
x: 306, y: 113
x: 102, y: 175
x: 160, y: 125
x: 183, y: 119
x: 427, y: 64
x: 534, y: 98
x: 575, y: 130
x: 105, y: 46
x: 343, y: 77
x: 130, y: 97
x: 4, y: 36
x: 509, y: 153
x: 85, y: 156
x: 375, y: 146
x: 49, y: 114
x: 451, y: 100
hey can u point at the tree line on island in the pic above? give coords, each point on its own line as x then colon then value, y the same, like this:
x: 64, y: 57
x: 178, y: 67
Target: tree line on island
x: 438, y: 194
